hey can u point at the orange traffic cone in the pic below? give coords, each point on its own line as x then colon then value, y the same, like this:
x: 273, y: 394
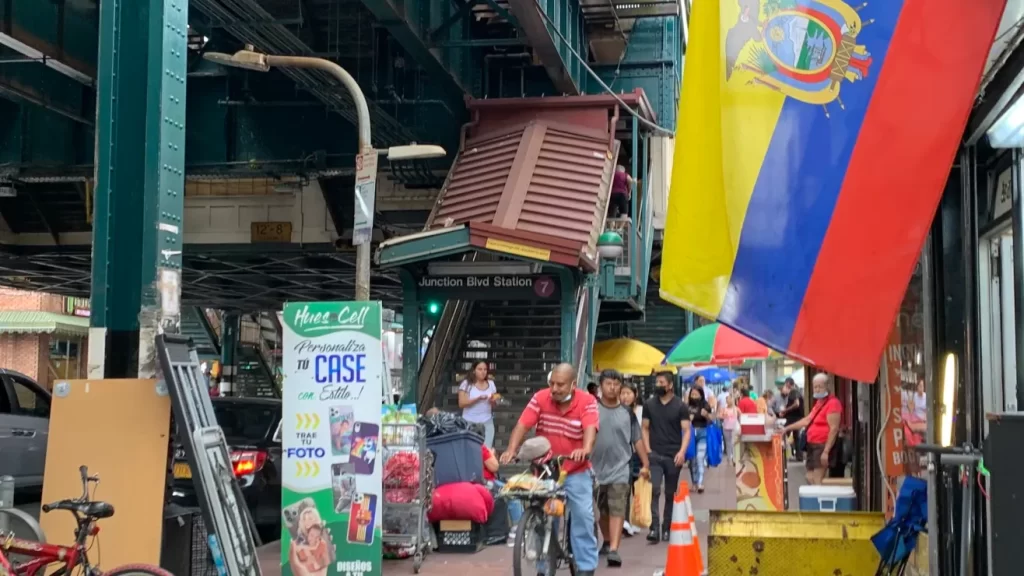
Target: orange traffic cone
x: 683, y: 549
x: 698, y: 561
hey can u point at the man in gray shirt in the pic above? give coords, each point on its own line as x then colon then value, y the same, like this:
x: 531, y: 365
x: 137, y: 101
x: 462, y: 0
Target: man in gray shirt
x: 613, y: 450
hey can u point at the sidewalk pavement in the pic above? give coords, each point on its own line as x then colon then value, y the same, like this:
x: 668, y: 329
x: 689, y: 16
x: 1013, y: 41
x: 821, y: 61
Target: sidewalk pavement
x: 639, y: 557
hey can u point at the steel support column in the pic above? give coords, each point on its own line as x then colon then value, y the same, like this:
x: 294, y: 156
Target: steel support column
x: 411, y: 339
x: 140, y: 150
x: 568, y: 313
x: 231, y: 325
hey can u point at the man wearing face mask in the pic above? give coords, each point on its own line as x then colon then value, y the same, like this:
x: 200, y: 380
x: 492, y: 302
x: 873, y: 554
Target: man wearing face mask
x: 666, y: 432
x: 569, y: 419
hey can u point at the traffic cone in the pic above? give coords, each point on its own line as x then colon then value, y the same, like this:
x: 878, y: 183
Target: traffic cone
x: 698, y: 558
x: 683, y: 549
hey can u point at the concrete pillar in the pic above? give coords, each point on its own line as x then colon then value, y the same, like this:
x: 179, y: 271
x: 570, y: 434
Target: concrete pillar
x: 139, y: 197
x: 231, y: 325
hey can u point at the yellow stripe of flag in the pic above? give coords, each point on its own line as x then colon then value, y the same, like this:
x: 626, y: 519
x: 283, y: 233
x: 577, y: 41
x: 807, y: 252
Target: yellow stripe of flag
x: 724, y: 130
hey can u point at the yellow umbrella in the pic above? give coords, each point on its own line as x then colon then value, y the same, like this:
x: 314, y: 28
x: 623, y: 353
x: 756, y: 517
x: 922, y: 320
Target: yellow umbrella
x: 628, y: 356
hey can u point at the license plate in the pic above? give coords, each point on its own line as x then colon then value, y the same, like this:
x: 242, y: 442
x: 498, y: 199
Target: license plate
x: 182, y: 471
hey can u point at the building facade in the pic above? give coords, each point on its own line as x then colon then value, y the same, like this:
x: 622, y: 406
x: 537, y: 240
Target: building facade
x: 43, y: 336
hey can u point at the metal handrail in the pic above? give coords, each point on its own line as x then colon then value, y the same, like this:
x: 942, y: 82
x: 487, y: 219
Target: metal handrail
x: 449, y: 326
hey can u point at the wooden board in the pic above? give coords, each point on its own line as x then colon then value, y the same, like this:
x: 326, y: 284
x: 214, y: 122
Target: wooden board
x: 119, y: 429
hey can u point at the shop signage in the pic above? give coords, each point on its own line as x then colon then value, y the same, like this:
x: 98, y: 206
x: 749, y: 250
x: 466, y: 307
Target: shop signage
x: 332, y: 481
x: 490, y: 287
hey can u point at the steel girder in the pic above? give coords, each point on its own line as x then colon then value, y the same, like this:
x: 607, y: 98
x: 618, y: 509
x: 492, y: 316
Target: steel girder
x: 555, y: 28
x: 411, y: 23
x: 242, y: 277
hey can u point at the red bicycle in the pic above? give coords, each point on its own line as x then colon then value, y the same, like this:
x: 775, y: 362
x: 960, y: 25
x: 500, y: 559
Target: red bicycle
x: 20, y: 557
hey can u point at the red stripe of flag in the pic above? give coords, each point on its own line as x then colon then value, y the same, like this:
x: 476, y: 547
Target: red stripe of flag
x: 895, y: 179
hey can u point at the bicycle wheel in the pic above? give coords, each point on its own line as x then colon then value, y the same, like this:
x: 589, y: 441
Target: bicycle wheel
x: 21, y: 524
x: 527, y: 539
x: 560, y: 551
x: 137, y: 570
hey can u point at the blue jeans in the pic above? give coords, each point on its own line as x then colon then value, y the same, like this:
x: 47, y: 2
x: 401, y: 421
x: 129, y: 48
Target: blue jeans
x: 697, y: 464
x: 489, y: 433
x: 515, y: 507
x: 579, y: 489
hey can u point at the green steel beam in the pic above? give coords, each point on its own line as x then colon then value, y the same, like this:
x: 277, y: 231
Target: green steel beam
x: 423, y: 247
x: 555, y: 28
x: 139, y: 198
x: 409, y: 23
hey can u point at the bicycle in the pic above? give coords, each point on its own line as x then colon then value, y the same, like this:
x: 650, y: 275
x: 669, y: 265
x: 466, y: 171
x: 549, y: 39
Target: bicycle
x: 544, y: 504
x: 38, y: 555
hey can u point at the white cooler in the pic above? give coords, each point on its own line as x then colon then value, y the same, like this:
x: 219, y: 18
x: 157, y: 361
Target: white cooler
x: 827, y: 499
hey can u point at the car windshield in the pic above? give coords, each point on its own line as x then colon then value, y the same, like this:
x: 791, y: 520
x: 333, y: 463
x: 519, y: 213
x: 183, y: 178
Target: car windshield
x: 245, y: 423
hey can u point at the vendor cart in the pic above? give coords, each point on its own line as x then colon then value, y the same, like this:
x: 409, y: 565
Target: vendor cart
x: 408, y: 479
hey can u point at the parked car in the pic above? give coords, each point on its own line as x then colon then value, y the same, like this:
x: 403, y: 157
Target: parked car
x: 252, y: 428
x: 24, y: 430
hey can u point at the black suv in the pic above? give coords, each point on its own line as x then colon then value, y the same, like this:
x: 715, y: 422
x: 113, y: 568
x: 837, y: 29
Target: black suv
x: 252, y: 427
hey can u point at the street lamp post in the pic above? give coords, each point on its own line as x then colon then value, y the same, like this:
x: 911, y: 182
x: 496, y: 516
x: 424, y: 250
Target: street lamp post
x: 251, y: 60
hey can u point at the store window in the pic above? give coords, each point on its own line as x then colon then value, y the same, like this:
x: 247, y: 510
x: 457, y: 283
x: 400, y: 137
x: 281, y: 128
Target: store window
x: 904, y: 403
x: 65, y: 358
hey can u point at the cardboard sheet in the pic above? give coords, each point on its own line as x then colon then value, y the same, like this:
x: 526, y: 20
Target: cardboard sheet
x: 120, y: 430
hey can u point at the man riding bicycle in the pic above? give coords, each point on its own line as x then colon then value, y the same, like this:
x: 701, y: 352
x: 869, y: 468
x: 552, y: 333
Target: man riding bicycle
x: 569, y: 421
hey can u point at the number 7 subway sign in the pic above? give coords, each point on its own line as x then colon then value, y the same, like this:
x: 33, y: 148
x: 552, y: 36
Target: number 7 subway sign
x: 332, y: 489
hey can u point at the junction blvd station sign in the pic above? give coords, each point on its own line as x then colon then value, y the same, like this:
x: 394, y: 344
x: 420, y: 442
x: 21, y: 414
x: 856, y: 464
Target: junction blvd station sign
x: 490, y: 287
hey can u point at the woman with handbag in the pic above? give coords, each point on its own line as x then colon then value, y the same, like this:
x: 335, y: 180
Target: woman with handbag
x: 820, y: 430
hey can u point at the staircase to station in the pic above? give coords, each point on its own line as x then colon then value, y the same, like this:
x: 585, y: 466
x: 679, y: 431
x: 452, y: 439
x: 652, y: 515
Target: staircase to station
x: 254, y: 375
x: 521, y: 342
x: 196, y: 325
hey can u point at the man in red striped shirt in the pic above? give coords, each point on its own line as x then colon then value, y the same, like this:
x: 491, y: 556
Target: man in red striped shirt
x: 569, y: 419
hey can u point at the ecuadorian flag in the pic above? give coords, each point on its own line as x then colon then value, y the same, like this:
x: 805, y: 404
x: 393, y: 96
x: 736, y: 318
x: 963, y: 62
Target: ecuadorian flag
x: 815, y: 138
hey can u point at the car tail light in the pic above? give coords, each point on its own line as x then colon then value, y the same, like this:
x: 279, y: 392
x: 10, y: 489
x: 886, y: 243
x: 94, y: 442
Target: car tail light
x: 248, y: 461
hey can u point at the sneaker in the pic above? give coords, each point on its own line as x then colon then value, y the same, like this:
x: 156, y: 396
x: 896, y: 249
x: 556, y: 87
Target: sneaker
x: 614, y: 560
x: 652, y: 536
x: 604, y: 550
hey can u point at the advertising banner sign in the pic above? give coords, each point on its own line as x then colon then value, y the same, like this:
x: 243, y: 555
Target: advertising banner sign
x: 332, y: 483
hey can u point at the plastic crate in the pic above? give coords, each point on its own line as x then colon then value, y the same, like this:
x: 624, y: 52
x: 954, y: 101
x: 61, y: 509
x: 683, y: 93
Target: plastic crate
x: 459, y: 536
x: 457, y: 457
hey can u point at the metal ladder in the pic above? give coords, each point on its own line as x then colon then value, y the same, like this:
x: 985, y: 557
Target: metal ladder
x: 220, y: 498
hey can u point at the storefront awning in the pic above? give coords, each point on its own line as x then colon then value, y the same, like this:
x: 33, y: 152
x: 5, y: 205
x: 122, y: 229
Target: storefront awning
x: 17, y: 322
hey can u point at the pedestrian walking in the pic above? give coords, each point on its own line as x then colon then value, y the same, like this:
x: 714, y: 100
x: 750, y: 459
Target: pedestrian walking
x: 613, y: 450
x: 666, y: 430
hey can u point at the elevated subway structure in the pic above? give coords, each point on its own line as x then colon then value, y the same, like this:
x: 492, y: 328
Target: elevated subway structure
x: 259, y: 149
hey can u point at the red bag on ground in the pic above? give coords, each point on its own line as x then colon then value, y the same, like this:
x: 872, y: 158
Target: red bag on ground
x: 461, y: 501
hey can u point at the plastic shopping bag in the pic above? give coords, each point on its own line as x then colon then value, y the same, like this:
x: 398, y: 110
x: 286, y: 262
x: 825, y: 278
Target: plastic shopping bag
x: 714, y: 445
x: 640, y: 515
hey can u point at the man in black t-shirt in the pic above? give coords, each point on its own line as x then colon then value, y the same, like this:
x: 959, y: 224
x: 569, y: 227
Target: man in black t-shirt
x: 666, y: 432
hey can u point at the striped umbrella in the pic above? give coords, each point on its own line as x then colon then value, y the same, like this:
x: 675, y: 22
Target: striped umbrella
x: 715, y: 344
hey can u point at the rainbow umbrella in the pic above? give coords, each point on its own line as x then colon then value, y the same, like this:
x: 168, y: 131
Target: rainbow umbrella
x: 715, y: 344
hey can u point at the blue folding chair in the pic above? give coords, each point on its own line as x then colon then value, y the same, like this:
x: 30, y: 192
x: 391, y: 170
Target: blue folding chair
x: 897, y: 540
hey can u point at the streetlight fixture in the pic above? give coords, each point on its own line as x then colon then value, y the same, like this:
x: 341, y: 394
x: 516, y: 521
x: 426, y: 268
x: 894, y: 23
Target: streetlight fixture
x: 249, y: 59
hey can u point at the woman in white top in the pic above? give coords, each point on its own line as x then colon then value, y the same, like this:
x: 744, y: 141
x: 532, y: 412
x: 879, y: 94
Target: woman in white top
x: 477, y: 394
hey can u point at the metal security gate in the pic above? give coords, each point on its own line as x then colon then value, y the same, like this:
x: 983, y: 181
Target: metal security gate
x: 224, y: 512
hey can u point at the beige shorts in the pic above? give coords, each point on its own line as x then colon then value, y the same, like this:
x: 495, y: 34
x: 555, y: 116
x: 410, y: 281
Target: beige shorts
x: 613, y: 500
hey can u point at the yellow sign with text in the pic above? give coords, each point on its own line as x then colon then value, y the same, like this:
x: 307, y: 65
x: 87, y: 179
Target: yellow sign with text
x: 520, y: 250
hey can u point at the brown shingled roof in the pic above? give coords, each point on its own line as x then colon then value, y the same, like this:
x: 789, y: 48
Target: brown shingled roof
x: 542, y: 184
